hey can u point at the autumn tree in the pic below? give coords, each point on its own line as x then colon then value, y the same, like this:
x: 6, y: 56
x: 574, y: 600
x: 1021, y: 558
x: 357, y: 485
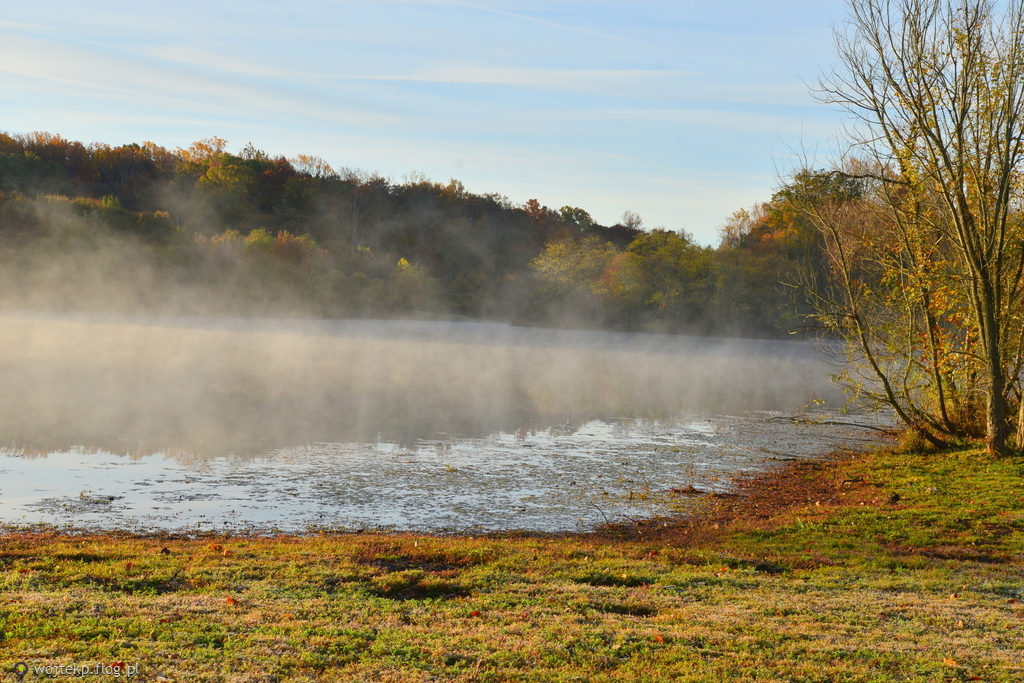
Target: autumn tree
x: 124, y: 172
x: 937, y: 90
x: 570, y: 276
x: 674, y: 278
x: 576, y: 215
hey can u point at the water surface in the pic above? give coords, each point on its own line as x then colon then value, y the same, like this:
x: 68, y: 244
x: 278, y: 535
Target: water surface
x: 184, y: 424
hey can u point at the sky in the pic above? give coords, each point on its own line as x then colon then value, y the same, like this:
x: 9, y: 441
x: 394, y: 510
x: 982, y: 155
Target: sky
x: 681, y: 111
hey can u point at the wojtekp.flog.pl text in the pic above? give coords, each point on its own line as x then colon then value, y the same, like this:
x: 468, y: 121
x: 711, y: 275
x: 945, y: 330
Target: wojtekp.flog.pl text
x: 115, y: 669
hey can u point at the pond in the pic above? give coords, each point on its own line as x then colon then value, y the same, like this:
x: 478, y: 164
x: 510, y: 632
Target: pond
x: 184, y: 424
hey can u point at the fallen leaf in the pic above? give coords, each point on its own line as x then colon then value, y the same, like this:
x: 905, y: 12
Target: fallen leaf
x: 949, y: 661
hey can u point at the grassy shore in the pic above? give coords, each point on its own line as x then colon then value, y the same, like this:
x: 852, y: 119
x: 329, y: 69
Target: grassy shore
x: 881, y: 567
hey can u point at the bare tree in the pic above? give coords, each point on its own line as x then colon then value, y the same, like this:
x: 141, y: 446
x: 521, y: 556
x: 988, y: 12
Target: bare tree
x: 632, y: 220
x: 937, y: 89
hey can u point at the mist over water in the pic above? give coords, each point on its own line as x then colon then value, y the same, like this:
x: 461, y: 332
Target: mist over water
x: 211, y: 387
x: 229, y: 423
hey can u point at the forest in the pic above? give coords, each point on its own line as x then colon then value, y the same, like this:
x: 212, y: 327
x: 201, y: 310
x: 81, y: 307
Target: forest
x: 203, y: 231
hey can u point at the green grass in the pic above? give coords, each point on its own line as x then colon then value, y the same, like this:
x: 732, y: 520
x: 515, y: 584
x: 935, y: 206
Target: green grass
x: 895, y: 567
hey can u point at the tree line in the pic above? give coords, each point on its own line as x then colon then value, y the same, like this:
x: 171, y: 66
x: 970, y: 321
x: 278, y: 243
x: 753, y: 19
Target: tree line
x: 204, y: 230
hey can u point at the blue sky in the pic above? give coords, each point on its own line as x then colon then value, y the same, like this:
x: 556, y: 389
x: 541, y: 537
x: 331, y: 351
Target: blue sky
x: 680, y: 111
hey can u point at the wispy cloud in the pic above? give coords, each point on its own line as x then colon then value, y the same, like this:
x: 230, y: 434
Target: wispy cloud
x: 609, y: 81
x: 150, y: 83
x: 503, y: 10
x: 197, y: 56
x: 605, y: 81
x: 750, y: 121
x: 551, y: 24
x: 23, y: 26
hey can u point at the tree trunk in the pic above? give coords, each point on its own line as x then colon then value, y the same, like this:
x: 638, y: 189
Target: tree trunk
x: 1020, y: 426
x: 996, y: 427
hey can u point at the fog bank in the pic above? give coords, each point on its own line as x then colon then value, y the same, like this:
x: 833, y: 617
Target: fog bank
x: 212, y: 386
